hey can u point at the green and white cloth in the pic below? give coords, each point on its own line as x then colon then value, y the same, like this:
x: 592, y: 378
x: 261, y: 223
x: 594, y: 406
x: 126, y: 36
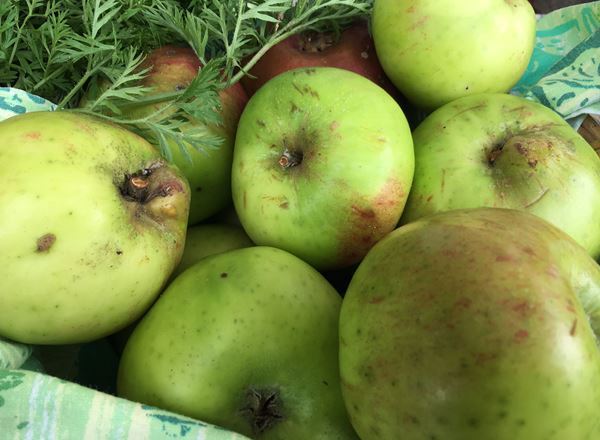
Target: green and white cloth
x: 564, y: 71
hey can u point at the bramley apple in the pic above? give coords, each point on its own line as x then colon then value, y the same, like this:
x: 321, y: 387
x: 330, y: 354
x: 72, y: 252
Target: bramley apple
x: 435, y: 51
x: 473, y: 324
x: 352, y: 50
x: 92, y: 223
x: 498, y: 150
x: 247, y: 340
x: 322, y: 165
x: 208, y: 172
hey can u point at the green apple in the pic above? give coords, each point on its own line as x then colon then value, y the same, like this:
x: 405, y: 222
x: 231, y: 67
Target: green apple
x: 498, y: 150
x: 473, y: 324
x: 247, y: 340
x: 322, y: 166
x: 435, y: 51
x: 92, y: 223
x: 209, y: 171
x: 209, y: 239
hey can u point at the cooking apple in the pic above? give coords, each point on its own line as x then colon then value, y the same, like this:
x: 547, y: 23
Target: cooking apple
x: 498, y: 150
x: 435, y: 51
x: 92, y: 223
x: 473, y: 324
x: 209, y: 171
x: 352, y: 49
x: 247, y: 340
x: 322, y: 166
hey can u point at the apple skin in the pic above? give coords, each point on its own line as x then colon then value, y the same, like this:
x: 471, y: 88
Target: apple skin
x: 322, y: 166
x: 208, y: 239
x: 498, y: 150
x: 253, y: 319
x: 353, y: 50
x: 467, y: 325
x: 72, y: 220
x: 209, y: 172
x: 435, y: 51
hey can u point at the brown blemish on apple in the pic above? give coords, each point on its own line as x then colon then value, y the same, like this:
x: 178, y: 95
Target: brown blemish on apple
x: 297, y: 87
x: 521, y: 335
x: 261, y: 123
x: 553, y: 271
x: 312, y: 92
x: 34, y: 135
x: 504, y: 258
x: 364, y: 213
x: 367, y: 224
x: 376, y: 300
x: 411, y: 9
x: 468, y: 109
x: 573, y: 330
x: 529, y: 251
x: 45, y: 242
x: 284, y: 205
x: 463, y: 303
x: 484, y: 358
x: 334, y: 126
x: 420, y: 22
x: 294, y: 108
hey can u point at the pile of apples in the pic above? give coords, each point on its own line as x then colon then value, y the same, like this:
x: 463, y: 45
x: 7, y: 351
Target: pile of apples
x: 468, y: 301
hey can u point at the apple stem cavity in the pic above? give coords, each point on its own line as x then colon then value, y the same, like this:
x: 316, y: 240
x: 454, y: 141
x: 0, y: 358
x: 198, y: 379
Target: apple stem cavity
x: 263, y: 409
x: 155, y: 191
x: 315, y: 42
x: 290, y: 158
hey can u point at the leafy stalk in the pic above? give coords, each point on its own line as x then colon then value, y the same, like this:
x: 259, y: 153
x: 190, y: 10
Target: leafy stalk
x: 86, y: 55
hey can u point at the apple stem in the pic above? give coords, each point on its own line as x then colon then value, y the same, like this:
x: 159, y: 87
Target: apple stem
x: 290, y: 159
x: 136, y: 187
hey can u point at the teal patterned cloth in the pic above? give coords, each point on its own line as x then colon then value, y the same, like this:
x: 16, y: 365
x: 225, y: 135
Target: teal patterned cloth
x: 38, y: 406
x: 564, y: 71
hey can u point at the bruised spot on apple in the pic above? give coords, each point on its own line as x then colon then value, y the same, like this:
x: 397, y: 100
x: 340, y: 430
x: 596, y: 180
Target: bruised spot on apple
x: 498, y: 150
x: 45, y: 242
x: 340, y: 161
x: 111, y: 208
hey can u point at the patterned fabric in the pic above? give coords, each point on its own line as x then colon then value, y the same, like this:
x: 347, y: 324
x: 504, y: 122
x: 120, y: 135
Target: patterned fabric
x: 564, y: 71
x: 38, y: 407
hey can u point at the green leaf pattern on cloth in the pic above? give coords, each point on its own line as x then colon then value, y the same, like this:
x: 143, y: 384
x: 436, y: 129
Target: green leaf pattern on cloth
x: 38, y: 406
x: 564, y: 71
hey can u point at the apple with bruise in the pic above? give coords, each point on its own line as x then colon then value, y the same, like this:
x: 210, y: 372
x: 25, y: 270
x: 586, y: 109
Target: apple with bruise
x: 498, y: 150
x: 92, y: 223
x: 351, y: 49
x: 435, y: 51
x: 322, y: 166
x: 473, y: 324
x: 208, y: 172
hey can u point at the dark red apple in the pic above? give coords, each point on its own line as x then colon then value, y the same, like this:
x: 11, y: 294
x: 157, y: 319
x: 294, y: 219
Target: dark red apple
x: 352, y: 50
